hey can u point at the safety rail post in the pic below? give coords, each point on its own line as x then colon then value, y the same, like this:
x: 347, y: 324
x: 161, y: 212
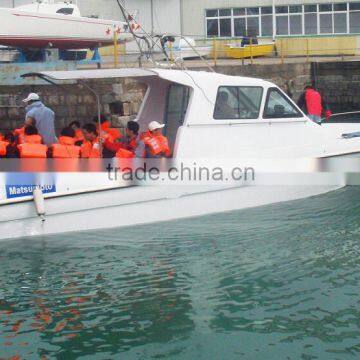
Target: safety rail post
x: 251, y: 51
x: 215, y: 51
x: 307, y: 50
x: 282, y: 51
x: 116, y: 49
x: 171, y: 57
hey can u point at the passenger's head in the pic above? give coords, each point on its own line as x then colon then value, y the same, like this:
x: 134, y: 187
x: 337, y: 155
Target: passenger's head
x: 30, y: 121
x: 9, y: 137
x: 132, y: 128
x: 68, y: 131
x: 31, y: 130
x: 75, y: 125
x: 32, y: 97
x: 103, y: 118
x: 156, y: 128
x: 90, y: 132
x: 309, y: 86
x: 223, y: 97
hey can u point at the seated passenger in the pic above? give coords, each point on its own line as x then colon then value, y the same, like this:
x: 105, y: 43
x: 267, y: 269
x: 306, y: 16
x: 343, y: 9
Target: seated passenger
x: 79, y: 136
x: 131, y: 146
x: 3, y: 146
x: 222, y: 109
x: 66, y: 147
x: 11, y: 148
x: 156, y: 144
x: 111, y: 133
x: 32, y: 146
x: 91, y: 145
x: 31, y: 135
x: 20, y: 132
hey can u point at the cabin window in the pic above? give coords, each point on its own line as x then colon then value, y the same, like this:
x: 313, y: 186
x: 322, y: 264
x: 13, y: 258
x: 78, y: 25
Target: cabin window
x: 238, y: 102
x: 279, y: 107
x: 65, y: 11
x: 176, y: 106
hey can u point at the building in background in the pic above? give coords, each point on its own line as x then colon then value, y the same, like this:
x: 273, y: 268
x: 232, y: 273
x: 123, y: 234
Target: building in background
x: 270, y: 18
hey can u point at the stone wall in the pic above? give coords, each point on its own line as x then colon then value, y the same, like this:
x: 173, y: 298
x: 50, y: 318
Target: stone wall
x: 72, y: 102
x: 340, y: 84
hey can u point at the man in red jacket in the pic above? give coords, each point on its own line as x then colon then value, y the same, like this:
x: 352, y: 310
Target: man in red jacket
x: 313, y: 105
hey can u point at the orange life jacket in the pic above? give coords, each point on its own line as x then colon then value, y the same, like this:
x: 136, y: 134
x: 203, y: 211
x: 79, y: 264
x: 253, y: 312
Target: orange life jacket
x: 1, y: 137
x: 65, y: 149
x: 91, y: 149
x: 79, y: 136
x: 20, y: 133
x: 124, y: 154
x: 157, y: 145
x: 3, y: 146
x: 32, y: 139
x: 313, y: 102
x: 31, y: 150
x: 112, y: 134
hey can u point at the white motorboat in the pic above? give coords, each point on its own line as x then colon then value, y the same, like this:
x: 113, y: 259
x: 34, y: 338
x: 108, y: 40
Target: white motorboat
x: 58, y: 25
x: 186, y: 48
x: 211, y: 120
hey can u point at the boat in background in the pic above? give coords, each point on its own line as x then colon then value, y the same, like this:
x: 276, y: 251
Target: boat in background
x: 186, y: 48
x: 237, y: 51
x: 57, y: 25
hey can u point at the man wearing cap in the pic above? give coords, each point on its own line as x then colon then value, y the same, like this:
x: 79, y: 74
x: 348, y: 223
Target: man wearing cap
x: 43, y: 116
x: 156, y: 144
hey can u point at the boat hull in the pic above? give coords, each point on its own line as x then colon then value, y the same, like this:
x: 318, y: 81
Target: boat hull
x: 139, y: 205
x: 248, y: 51
x: 37, y: 30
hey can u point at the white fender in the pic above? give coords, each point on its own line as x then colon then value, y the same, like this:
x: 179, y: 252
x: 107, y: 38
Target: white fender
x: 39, y: 202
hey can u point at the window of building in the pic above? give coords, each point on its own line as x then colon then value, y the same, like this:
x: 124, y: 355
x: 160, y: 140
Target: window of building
x: 238, y: 102
x: 240, y: 27
x: 354, y: 17
x: 266, y: 25
x: 279, y: 107
x: 212, y: 26
x: 225, y: 27
x: 290, y: 20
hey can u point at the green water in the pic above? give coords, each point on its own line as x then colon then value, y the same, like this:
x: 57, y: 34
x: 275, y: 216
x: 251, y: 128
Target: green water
x: 278, y: 282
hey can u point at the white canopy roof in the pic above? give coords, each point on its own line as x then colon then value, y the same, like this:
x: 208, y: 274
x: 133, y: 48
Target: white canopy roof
x: 184, y: 77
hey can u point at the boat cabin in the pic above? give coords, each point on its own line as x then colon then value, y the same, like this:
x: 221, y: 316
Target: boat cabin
x: 218, y: 116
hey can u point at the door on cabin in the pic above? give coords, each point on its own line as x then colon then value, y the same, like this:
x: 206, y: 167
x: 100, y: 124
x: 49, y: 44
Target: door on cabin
x: 175, y: 111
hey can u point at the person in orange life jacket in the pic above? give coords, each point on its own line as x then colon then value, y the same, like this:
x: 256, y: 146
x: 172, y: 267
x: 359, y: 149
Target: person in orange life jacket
x: 11, y: 146
x: 91, y: 145
x: 32, y: 146
x: 3, y: 146
x: 79, y: 136
x: 132, y: 143
x: 66, y: 147
x: 312, y: 103
x: 114, y: 134
x: 20, y: 132
x: 107, y: 133
x: 156, y: 144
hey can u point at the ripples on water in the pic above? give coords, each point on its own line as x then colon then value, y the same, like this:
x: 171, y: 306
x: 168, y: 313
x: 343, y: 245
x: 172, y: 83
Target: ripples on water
x: 278, y: 282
